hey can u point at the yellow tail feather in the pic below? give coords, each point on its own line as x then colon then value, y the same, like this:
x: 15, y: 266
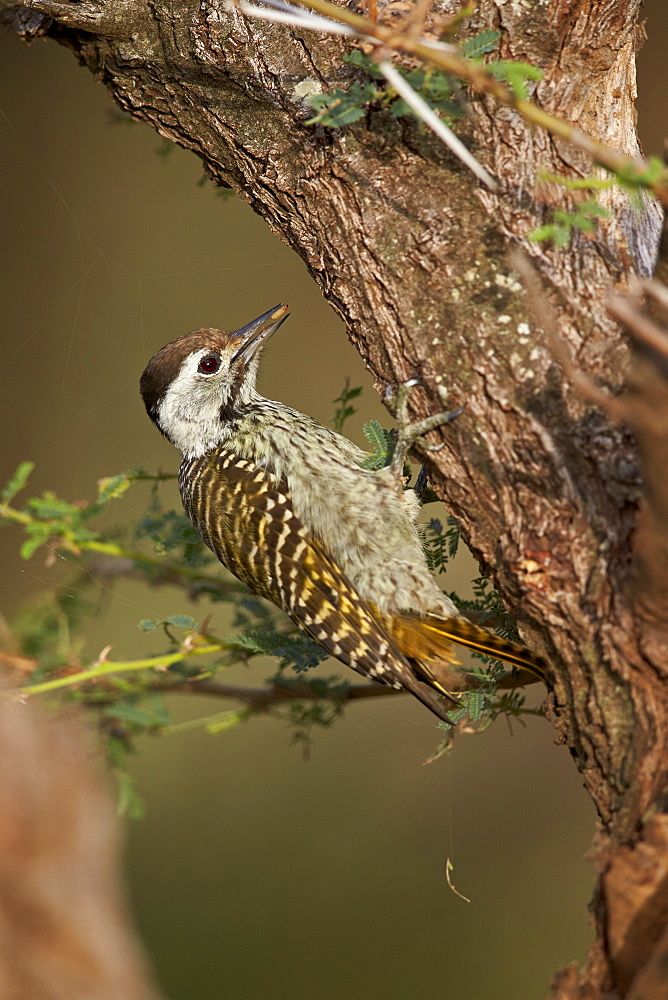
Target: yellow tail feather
x: 429, y: 639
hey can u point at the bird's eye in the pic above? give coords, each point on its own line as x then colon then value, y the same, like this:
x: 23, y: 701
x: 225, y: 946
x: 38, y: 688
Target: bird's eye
x: 209, y: 364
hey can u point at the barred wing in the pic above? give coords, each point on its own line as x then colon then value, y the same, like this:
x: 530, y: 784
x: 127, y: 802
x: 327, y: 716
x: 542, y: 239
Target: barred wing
x: 246, y: 517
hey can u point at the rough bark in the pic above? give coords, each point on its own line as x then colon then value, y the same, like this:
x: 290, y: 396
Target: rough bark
x: 413, y: 256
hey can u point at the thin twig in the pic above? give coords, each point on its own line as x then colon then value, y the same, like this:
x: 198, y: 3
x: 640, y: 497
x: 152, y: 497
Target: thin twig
x: 74, y: 676
x: 417, y: 19
x: 654, y: 288
x: 107, y: 667
x: 628, y: 312
x: 261, y: 699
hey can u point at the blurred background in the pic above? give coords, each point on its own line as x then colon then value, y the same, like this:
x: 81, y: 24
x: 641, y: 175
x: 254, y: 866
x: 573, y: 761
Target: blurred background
x: 257, y: 871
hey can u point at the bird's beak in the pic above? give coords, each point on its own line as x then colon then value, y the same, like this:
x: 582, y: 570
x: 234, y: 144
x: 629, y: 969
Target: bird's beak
x: 252, y: 336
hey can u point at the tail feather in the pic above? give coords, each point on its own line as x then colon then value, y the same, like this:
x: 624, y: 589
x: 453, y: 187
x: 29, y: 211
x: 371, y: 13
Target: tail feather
x: 430, y: 638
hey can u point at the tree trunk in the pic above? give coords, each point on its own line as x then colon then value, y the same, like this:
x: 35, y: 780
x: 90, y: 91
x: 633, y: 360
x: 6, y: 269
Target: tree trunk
x: 412, y: 254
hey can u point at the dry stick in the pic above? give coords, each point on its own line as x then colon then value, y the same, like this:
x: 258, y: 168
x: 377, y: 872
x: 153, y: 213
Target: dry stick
x: 646, y: 403
x: 256, y: 697
x: 261, y: 699
x: 654, y: 288
x: 627, y: 311
x: 284, y: 14
x: 416, y: 20
x: 546, y: 319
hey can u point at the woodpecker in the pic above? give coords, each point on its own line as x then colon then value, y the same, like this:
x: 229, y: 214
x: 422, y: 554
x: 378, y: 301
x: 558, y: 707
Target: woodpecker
x: 286, y: 506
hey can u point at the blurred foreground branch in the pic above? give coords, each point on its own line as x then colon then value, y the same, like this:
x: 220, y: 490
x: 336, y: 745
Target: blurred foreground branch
x: 65, y: 932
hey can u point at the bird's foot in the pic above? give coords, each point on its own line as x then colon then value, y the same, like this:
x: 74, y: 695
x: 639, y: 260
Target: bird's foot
x: 407, y: 433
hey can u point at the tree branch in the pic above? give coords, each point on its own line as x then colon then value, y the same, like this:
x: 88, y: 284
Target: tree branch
x: 262, y: 699
x: 259, y: 698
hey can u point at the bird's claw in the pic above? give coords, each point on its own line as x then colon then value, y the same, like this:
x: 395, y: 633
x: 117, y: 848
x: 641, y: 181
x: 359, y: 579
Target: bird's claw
x: 407, y: 433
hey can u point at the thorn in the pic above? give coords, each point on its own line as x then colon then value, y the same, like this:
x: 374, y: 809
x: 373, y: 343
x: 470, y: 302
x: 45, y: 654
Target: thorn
x: 104, y: 655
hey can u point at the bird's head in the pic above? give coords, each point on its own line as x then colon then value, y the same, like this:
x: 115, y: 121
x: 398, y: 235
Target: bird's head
x: 194, y: 386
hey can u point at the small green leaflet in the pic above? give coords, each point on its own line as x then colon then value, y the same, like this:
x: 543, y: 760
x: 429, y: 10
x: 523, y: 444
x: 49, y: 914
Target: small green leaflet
x: 478, y: 45
x: 17, y: 481
x: 515, y: 74
x: 560, y: 230
x: 341, y: 107
x: 152, y: 714
x: 112, y: 487
x: 381, y: 443
x: 358, y: 58
x: 475, y: 703
x: 130, y: 802
x: 344, y: 410
x: 181, y: 621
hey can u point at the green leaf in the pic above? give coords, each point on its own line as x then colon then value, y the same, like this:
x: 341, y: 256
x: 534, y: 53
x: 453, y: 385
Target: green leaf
x: 382, y: 446
x: 49, y: 507
x: 169, y: 530
x: 453, y: 534
x: 117, y: 751
x: 130, y: 803
x: 341, y: 107
x: 152, y: 714
x: 295, y: 650
x: 38, y: 535
x: 590, y: 183
x: 591, y: 208
x: 344, y: 410
x: 440, y: 546
x: 478, y: 45
x: 17, y: 481
x: 456, y: 715
x: 357, y: 58
x: 183, y: 621
x: 515, y: 74
x: 545, y: 232
x: 475, y: 704
x: 434, y: 87
x: 112, y: 487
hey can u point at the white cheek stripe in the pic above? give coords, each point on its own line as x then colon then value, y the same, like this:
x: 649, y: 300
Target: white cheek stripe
x: 189, y: 412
